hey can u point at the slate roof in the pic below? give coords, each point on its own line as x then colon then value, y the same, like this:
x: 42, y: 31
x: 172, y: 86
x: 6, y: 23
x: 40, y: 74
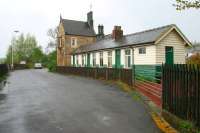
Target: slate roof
x: 139, y: 38
x: 73, y: 27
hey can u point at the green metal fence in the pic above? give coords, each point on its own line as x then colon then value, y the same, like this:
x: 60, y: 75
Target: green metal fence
x: 150, y: 73
x: 148, y: 81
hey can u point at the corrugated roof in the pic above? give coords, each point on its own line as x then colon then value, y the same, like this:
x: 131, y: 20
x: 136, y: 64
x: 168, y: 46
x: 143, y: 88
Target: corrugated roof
x: 144, y: 37
x: 73, y: 27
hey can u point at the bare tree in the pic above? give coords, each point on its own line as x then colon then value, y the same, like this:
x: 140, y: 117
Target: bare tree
x: 186, y: 4
x: 52, y: 34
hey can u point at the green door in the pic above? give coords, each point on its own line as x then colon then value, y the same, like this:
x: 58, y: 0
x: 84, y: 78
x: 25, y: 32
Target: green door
x: 88, y: 60
x: 117, y: 58
x: 169, y: 55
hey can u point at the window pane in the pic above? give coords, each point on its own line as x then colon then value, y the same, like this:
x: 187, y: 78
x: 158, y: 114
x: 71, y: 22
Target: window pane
x: 109, y: 61
x: 129, y: 61
x: 142, y: 50
x: 127, y: 52
x: 73, y: 41
x: 126, y: 61
x: 101, y: 58
x: 109, y: 53
x: 94, y: 59
x: 109, y: 58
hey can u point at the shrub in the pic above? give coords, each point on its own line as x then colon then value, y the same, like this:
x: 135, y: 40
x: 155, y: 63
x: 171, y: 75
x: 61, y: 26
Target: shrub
x: 51, y: 61
x: 194, y: 59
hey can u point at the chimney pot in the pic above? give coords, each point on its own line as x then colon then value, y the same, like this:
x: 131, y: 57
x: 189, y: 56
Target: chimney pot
x: 100, y: 31
x: 117, y: 33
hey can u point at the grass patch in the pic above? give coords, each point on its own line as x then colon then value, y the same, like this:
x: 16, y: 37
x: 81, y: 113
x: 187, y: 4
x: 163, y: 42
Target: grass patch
x: 124, y: 86
x: 135, y: 96
x: 129, y: 89
x: 181, y: 125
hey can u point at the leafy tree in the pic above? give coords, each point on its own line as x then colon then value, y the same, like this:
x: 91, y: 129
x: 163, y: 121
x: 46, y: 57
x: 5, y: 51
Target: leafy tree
x: 186, y: 4
x: 52, y: 63
x: 36, y: 55
x: 25, y: 48
x: 51, y: 57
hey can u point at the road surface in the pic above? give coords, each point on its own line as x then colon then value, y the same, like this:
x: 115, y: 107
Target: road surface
x: 36, y: 101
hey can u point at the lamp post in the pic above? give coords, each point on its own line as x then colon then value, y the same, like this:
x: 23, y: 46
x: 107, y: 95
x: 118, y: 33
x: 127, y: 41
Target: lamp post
x: 12, y: 65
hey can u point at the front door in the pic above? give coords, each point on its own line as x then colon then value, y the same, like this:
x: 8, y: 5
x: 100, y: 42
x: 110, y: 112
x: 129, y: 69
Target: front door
x: 88, y: 60
x: 169, y: 55
x: 117, y: 58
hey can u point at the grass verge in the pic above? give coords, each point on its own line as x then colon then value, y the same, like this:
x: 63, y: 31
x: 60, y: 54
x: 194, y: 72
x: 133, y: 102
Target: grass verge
x: 182, y: 126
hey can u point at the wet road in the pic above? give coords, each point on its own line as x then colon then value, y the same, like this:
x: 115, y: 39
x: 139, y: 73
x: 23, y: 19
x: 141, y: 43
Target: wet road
x: 36, y: 101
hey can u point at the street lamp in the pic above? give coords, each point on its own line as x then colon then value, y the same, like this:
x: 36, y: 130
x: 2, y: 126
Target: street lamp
x: 12, y: 66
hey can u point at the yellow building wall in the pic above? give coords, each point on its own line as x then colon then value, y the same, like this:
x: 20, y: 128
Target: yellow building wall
x: 64, y: 53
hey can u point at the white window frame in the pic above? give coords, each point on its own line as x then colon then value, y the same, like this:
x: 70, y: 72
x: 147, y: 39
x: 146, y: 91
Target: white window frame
x: 75, y: 41
x: 142, y: 50
x: 127, y: 56
x: 101, y: 58
x: 110, y: 58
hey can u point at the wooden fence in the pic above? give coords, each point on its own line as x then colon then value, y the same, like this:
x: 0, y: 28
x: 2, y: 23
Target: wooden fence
x: 125, y: 75
x: 3, y: 70
x: 181, y: 91
x: 20, y: 66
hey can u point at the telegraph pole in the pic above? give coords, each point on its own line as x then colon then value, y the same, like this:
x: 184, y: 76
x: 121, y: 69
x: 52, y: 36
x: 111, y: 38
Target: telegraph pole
x: 12, y: 51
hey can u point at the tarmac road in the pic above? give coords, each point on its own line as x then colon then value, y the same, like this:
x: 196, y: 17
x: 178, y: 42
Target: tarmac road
x: 36, y: 101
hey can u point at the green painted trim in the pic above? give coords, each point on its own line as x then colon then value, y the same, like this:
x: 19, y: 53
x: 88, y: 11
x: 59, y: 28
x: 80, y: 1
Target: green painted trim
x: 117, y: 58
x: 169, y: 55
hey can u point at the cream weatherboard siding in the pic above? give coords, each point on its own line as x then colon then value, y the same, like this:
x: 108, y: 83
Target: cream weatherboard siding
x: 145, y: 59
x: 174, y: 40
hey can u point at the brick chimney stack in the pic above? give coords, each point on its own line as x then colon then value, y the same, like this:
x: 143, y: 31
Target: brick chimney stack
x: 117, y: 33
x: 90, y: 19
x: 100, y: 31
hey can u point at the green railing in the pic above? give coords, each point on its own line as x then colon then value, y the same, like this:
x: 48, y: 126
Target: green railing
x: 150, y: 73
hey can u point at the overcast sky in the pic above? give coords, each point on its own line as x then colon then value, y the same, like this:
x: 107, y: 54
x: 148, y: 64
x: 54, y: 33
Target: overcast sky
x: 37, y: 16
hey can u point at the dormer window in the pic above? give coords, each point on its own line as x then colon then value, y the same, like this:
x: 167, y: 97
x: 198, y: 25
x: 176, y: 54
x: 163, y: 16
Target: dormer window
x: 73, y: 42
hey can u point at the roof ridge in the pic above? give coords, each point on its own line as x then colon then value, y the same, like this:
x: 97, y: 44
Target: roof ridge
x: 157, y: 28
x: 74, y: 20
